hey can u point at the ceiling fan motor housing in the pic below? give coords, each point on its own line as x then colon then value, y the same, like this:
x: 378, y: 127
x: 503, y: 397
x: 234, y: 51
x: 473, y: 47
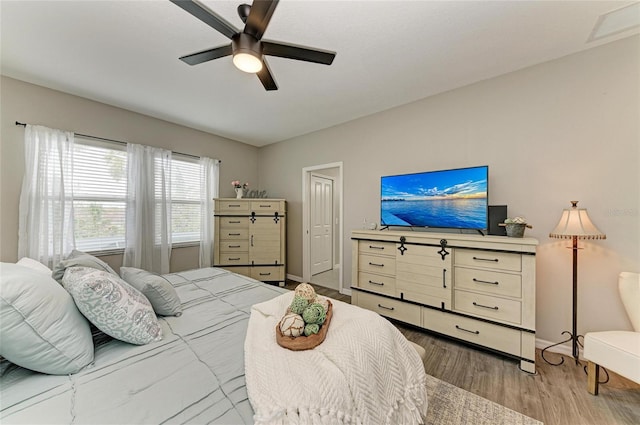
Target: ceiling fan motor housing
x: 245, y: 43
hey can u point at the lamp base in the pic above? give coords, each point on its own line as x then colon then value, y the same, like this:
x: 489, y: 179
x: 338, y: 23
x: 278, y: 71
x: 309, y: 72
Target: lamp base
x: 575, y: 342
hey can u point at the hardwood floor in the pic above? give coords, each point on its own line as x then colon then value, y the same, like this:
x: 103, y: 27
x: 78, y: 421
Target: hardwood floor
x: 556, y: 395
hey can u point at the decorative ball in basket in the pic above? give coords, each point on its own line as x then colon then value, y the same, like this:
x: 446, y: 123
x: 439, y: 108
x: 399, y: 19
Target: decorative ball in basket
x: 306, y: 322
x: 515, y: 226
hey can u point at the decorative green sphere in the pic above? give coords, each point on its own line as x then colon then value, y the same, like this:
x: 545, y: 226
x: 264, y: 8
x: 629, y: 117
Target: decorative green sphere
x: 311, y: 328
x: 299, y: 304
x: 314, y: 314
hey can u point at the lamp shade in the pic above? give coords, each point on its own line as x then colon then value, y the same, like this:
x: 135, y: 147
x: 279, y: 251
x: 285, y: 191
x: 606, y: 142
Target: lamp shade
x: 575, y: 222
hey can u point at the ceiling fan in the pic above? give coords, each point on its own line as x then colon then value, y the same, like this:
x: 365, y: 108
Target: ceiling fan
x: 247, y: 46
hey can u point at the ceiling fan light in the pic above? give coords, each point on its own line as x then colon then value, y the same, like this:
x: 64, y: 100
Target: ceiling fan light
x: 247, y: 62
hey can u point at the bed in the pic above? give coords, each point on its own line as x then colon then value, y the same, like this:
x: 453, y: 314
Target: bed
x: 196, y: 372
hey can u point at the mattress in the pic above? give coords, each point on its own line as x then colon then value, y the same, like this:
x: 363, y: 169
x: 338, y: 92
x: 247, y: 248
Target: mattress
x: 195, y: 374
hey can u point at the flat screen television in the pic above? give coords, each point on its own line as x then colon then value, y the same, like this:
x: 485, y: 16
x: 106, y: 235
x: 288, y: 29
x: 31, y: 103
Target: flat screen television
x: 455, y: 199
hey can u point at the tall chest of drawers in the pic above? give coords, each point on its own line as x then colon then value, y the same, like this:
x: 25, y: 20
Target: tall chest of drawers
x: 250, y: 237
x: 477, y: 289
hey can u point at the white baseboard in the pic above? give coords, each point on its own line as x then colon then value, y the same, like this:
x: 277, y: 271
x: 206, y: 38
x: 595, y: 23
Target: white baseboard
x: 294, y: 278
x: 564, y: 349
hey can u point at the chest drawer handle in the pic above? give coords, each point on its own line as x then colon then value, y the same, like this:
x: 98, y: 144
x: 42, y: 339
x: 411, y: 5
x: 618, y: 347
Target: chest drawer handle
x: 234, y: 234
x: 493, y: 260
x: 386, y: 308
x: 234, y: 259
x: 234, y: 206
x: 485, y: 306
x: 265, y: 274
x: 234, y: 246
x: 485, y: 281
x: 376, y: 283
x: 467, y: 330
x: 376, y: 264
x: 375, y: 247
x: 234, y: 222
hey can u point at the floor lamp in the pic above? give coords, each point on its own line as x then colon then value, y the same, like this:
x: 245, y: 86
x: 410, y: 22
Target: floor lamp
x: 574, y: 224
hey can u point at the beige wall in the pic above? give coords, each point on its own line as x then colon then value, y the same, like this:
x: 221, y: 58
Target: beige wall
x: 563, y: 130
x: 28, y: 103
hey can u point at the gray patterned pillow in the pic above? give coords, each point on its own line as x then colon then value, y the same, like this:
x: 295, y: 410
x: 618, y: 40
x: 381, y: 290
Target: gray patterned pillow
x: 112, y: 305
x: 161, y: 294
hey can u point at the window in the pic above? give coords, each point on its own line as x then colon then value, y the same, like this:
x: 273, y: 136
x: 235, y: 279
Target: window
x: 185, y: 199
x: 99, y: 190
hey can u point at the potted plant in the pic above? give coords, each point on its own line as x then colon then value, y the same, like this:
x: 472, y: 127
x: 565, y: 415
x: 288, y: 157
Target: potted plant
x: 515, y: 226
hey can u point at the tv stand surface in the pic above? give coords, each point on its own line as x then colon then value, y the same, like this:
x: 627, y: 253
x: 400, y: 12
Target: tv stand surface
x: 477, y: 289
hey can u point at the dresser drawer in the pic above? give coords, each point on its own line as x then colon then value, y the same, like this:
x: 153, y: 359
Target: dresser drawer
x: 377, y: 264
x: 267, y: 273
x: 233, y: 233
x: 231, y: 258
x: 234, y: 246
x: 231, y: 206
x: 489, y: 282
x: 488, y: 259
x: 481, y: 333
x: 488, y: 306
x: 377, y: 283
x: 394, y: 309
x: 377, y: 248
x: 266, y: 207
x: 234, y: 222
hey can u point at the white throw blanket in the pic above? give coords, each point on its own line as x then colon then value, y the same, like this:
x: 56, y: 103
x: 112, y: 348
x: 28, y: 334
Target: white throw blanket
x: 365, y: 371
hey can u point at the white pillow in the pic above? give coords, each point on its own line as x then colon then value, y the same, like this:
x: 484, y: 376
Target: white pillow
x: 40, y: 327
x: 112, y: 305
x: 35, y: 265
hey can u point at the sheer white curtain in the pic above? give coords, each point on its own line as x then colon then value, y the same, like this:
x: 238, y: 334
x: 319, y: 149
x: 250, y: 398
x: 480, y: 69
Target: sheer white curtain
x: 148, y: 211
x: 209, y: 185
x: 45, y: 226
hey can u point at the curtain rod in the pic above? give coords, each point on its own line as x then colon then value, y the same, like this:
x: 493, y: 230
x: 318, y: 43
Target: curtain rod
x: 115, y: 141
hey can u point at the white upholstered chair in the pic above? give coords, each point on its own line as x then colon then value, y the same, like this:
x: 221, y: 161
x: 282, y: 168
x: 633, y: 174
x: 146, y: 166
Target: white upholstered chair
x: 618, y: 351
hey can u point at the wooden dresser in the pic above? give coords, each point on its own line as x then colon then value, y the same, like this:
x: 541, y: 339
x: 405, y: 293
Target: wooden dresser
x: 250, y: 237
x: 477, y: 289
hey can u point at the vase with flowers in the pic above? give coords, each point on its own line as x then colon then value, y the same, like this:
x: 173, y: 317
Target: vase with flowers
x: 239, y: 188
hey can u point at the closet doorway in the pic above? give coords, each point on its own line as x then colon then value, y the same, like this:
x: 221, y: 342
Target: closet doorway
x: 322, y: 221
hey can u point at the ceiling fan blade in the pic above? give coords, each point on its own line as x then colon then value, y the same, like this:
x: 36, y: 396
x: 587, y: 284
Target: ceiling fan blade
x: 259, y: 17
x: 210, y: 18
x: 301, y: 53
x: 266, y: 78
x: 207, y: 55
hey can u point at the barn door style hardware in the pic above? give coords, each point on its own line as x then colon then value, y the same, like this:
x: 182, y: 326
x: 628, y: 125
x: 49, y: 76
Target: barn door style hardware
x: 443, y: 252
x: 276, y: 218
x: 253, y: 217
x: 402, y: 248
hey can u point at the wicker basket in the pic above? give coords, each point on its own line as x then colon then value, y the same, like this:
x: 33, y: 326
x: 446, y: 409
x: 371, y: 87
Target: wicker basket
x: 305, y: 342
x: 515, y: 230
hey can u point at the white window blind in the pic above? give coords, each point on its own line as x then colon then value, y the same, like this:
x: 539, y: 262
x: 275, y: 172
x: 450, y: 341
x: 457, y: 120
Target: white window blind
x: 100, y: 188
x: 185, y: 199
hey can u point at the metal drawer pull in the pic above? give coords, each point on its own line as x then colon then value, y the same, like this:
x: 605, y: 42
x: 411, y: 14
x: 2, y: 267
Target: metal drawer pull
x: 375, y: 247
x: 486, y: 281
x: 265, y: 206
x: 466, y: 330
x: 376, y: 264
x: 265, y: 274
x: 494, y: 260
x: 234, y: 222
x: 234, y: 259
x: 234, y: 246
x: 485, y: 306
x: 444, y: 278
x: 386, y: 308
x: 234, y: 234
x: 234, y: 206
x: 376, y: 283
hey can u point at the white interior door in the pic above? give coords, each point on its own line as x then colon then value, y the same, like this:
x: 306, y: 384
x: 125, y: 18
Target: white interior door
x: 321, y: 223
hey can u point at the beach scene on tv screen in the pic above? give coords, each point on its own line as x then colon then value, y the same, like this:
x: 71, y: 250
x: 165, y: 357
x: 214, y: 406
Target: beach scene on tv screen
x: 448, y: 198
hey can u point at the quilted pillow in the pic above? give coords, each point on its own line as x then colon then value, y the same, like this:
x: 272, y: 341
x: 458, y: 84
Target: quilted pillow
x: 80, y: 259
x: 112, y: 305
x: 40, y: 326
x: 160, y: 293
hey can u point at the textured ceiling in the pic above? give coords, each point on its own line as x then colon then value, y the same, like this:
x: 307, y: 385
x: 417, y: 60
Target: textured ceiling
x: 125, y: 53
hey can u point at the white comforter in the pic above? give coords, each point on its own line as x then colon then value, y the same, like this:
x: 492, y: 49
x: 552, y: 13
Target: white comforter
x: 365, y: 372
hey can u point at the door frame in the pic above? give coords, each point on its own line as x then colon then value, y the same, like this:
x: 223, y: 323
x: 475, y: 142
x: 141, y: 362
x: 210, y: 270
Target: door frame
x: 306, y: 239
